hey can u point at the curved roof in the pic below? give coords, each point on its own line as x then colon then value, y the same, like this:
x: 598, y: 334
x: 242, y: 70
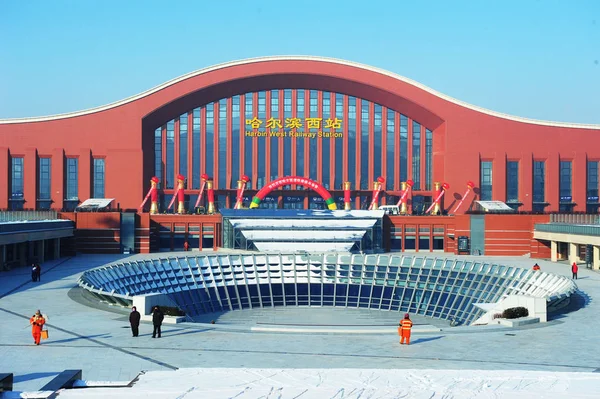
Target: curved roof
x: 299, y: 58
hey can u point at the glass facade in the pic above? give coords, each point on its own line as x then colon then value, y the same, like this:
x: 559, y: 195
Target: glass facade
x: 512, y: 183
x: 99, y: 178
x: 44, y: 197
x: 329, y: 135
x: 486, y: 181
x: 444, y: 288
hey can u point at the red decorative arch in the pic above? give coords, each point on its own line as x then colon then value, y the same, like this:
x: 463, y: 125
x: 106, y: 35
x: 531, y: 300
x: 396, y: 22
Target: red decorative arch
x: 297, y: 180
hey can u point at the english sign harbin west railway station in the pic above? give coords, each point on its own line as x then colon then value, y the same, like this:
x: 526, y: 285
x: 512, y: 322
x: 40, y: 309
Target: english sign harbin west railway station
x: 300, y: 153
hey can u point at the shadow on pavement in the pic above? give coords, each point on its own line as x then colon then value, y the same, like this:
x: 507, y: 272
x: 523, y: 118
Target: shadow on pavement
x: 579, y: 300
x: 34, y: 376
x: 422, y: 340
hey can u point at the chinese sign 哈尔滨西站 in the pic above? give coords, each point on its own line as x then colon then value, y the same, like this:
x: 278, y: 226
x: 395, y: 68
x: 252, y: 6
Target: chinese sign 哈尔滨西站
x: 294, y: 128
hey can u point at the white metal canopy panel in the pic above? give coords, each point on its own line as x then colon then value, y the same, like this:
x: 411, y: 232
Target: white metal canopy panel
x: 495, y: 206
x: 304, y: 235
x: 96, y: 203
x: 306, y: 247
x: 303, y: 223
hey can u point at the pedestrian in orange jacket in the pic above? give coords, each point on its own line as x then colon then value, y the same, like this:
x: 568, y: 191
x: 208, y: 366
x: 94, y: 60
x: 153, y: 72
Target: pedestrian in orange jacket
x: 574, y: 269
x: 37, y: 321
x: 404, y: 329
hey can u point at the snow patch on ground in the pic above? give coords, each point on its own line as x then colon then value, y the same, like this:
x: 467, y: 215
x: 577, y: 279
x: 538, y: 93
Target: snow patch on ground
x: 351, y: 383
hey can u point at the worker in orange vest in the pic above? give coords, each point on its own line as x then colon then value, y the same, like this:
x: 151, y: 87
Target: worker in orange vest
x: 37, y: 321
x: 574, y: 269
x: 404, y: 329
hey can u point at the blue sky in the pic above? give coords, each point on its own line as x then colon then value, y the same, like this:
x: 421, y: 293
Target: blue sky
x: 537, y: 59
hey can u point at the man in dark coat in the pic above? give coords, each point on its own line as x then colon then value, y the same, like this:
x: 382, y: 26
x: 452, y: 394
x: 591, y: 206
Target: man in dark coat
x: 134, y: 320
x: 38, y: 272
x: 157, y: 319
x: 33, y: 272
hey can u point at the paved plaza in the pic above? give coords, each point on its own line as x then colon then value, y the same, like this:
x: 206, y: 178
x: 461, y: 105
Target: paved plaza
x: 98, y: 340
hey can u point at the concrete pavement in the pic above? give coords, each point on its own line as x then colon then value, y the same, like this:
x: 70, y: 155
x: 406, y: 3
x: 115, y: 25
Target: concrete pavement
x: 99, y: 341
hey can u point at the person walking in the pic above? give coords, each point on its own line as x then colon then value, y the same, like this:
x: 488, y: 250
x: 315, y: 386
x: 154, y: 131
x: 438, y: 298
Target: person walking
x: 134, y: 320
x: 536, y: 267
x: 33, y: 272
x: 574, y: 269
x: 37, y: 321
x: 157, y: 319
x: 404, y: 329
x: 38, y: 272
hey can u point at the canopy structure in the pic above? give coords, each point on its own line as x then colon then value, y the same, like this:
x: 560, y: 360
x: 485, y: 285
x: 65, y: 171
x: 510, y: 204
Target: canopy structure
x: 495, y: 207
x: 95, y: 205
x: 303, y: 230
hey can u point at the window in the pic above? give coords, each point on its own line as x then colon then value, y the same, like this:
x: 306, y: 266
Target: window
x: 72, y: 179
x: 287, y: 143
x: 378, y: 137
x: 390, y: 138
x: 98, y: 178
x: 565, y: 187
x: 183, y: 145
x: 222, y: 137
x: 72, y: 186
x: 365, y: 179
x: 403, y: 148
x: 326, y: 142
x: 16, y: 191
x: 486, y: 181
x: 196, y: 172
x: 416, y: 155
x: 352, y: 141
x: 158, y: 169
x: 274, y: 140
x: 235, y: 141
x: 262, y: 143
x: 512, y: 183
x: 592, y: 187
x: 248, y: 150
x: 428, y: 152
x: 539, y: 190
x: 210, y: 140
x: 312, y: 143
x: 44, y: 183
x: 339, y: 143
x: 300, y: 142
x: 169, y: 170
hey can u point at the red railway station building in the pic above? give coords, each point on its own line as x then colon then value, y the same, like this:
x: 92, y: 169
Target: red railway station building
x: 334, y: 122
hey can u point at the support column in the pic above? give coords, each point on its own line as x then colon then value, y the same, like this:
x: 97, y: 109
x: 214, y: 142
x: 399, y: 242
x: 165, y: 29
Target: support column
x: 56, y: 242
x: 553, y: 251
x: 40, y: 257
x: 596, y: 262
x: 573, y: 253
x: 2, y: 256
x: 21, y: 254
